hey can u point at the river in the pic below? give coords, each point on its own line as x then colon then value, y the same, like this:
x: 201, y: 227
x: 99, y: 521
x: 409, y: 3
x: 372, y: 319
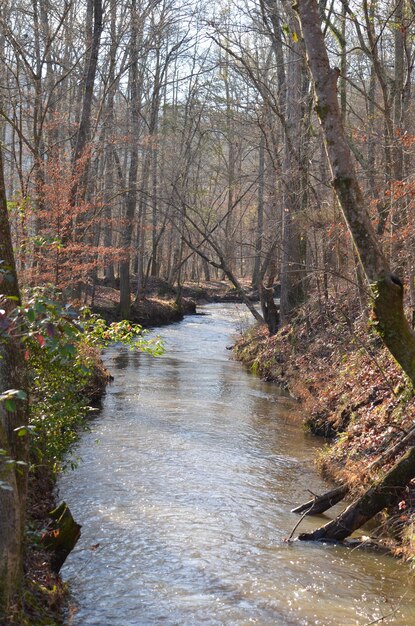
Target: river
x: 184, y: 491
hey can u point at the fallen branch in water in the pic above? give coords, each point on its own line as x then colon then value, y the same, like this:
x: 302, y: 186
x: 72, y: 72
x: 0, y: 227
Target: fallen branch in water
x: 288, y: 539
x: 319, y: 504
x: 384, y: 493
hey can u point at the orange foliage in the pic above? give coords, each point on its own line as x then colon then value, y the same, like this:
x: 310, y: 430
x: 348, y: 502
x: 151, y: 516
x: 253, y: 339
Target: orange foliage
x: 67, y: 248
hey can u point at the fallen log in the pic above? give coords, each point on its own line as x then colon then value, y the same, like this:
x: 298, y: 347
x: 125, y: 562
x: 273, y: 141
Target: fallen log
x: 61, y: 536
x: 384, y: 493
x: 322, y: 503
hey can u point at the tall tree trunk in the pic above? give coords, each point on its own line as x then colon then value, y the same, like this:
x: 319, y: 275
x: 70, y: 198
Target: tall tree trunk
x: 95, y: 27
x: 260, y: 213
x: 291, y: 105
x: 131, y: 199
x: 109, y: 124
x: 13, y: 485
x: 229, y: 251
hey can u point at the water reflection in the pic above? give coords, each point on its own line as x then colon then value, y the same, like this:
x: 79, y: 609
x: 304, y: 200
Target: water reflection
x: 188, y: 494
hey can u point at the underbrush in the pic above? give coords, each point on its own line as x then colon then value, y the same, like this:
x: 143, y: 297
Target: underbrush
x: 352, y: 393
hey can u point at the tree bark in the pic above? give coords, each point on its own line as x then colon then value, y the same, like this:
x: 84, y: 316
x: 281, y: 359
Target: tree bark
x: 83, y: 134
x: 131, y: 198
x: 260, y: 214
x: 13, y: 485
x: 320, y: 504
x: 270, y: 311
x: 291, y: 103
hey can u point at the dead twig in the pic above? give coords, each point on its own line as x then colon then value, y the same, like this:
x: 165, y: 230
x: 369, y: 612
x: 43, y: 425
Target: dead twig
x: 288, y: 539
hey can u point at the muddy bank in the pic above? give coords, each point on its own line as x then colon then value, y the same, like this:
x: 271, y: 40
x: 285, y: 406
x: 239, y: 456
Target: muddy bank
x: 151, y: 310
x: 161, y: 304
x: 352, y: 393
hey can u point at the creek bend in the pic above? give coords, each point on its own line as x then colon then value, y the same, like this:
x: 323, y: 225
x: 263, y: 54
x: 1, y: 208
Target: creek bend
x: 188, y: 492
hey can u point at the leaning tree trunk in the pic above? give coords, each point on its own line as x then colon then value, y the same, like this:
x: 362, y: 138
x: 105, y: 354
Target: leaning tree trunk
x: 13, y: 484
x: 387, y: 289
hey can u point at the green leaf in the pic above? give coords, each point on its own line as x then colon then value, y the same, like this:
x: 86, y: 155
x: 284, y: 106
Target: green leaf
x: 31, y: 314
x: 10, y: 405
x: 20, y: 394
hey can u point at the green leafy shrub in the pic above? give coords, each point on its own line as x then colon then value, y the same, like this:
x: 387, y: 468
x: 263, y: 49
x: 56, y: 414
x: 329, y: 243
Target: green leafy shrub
x: 62, y: 348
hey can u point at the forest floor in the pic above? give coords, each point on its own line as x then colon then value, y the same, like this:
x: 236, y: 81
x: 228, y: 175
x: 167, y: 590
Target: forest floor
x: 352, y: 393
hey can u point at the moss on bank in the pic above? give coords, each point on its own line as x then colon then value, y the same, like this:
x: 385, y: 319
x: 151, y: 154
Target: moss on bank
x: 351, y: 392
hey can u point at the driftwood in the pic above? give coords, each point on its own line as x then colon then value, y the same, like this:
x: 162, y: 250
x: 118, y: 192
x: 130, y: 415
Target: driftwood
x: 61, y: 536
x: 384, y: 493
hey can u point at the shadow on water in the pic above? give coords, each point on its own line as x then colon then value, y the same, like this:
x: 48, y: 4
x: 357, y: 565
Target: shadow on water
x: 124, y: 358
x: 188, y: 494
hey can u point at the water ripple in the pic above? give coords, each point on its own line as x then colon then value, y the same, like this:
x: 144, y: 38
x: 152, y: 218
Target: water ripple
x: 188, y: 494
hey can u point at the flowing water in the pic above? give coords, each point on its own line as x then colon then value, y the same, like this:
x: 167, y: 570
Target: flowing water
x: 184, y: 490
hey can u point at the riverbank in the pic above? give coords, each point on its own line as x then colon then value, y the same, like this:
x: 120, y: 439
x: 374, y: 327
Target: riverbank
x: 151, y: 310
x: 43, y: 598
x: 351, y: 393
x: 160, y: 305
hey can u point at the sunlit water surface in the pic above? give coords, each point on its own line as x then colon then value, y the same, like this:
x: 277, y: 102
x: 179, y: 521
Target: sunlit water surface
x: 186, y: 482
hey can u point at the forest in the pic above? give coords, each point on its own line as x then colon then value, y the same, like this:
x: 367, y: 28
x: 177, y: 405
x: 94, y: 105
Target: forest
x: 155, y: 148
